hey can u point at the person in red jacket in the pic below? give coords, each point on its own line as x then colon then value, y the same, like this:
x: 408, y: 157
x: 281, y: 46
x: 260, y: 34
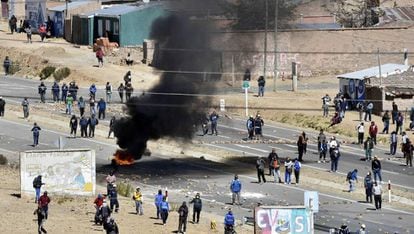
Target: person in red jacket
x: 42, y: 32
x: 373, y: 130
x: 99, y: 56
x: 44, y: 201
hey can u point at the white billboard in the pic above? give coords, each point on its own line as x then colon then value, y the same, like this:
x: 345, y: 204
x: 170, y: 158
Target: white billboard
x: 69, y: 171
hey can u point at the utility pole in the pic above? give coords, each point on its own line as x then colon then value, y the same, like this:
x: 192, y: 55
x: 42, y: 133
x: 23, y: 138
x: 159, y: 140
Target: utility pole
x: 379, y: 66
x: 275, y: 76
x: 265, y: 39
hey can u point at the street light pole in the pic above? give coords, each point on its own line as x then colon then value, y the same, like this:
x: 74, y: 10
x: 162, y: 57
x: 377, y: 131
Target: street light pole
x: 265, y: 40
x: 275, y: 41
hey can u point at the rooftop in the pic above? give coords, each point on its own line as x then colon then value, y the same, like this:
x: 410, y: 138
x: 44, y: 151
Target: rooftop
x: 373, y: 72
x: 71, y: 5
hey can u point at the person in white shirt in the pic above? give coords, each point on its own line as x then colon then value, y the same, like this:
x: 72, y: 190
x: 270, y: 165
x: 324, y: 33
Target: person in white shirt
x: 377, y: 191
x: 361, y: 131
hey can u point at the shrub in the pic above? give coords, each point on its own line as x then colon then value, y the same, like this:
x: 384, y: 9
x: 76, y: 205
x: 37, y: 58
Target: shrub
x: 3, y: 160
x: 46, y: 72
x: 61, y: 73
x: 125, y: 189
x: 14, y: 68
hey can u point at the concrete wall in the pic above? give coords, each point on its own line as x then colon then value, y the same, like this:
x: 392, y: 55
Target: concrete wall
x: 317, y: 52
x: 71, y: 172
x: 383, y: 102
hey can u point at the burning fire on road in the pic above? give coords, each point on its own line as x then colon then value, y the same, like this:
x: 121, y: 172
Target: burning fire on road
x: 123, y: 158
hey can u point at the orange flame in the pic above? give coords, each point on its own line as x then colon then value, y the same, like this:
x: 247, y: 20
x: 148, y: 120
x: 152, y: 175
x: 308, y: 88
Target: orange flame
x: 122, y: 157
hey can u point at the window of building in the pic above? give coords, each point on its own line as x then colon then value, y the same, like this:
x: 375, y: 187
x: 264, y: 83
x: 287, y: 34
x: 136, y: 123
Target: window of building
x: 116, y: 27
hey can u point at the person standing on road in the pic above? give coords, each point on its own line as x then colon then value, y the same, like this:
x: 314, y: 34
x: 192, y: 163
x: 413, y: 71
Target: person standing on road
x: 182, y: 219
x: 276, y: 169
x: 386, y: 121
x: 399, y: 122
x: 29, y: 34
x: 325, y: 105
x: 43, y: 202
x: 323, y: 149
x: 99, y: 55
x: 73, y: 89
x: 138, y: 199
x: 81, y: 105
x: 377, y: 190
x: 214, y: 119
x: 41, y: 218
x: 261, y: 82
x: 64, y: 90
x: 92, y: 91
x: 110, y: 226
x: 376, y: 169
x: 394, y: 112
x: 121, y: 90
x: 333, y: 144
x: 197, y: 206
x: 111, y: 126
x: 368, y: 184
x: 36, y: 131
x: 321, y: 138
x: 129, y: 90
x: 250, y: 127
x: 361, y: 131
x: 83, y: 122
x: 110, y: 181
x: 37, y: 185
x: 260, y: 166
x: 101, y: 108
x: 270, y: 158
x: 360, y: 108
x: 393, y: 143
x: 165, y: 208
x: 296, y: 169
x: 42, y: 91
x: 368, y: 147
x: 113, y: 198
x: 288, y: 170
x: 334, y: 155
x: 229, y: 222
x: 408, y: 153
x: 373, y: 130
x: 25, y: 105
x: 301, y: 145
x: 73, y: 124
x: 6, y: 65
x: 55, y: 92
x: 235, y: 188
x: 42, y: 32
x: 258, y: 126
x: 2, y: 105
x: 368, y: 111
x: 352, y: 178
x: 92, y: 122
x: 108, y: 92
x: 69, y: 104
x: 157, y: 201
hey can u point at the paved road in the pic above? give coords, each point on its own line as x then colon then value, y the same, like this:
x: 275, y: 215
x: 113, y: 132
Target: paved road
x: 182, y: 175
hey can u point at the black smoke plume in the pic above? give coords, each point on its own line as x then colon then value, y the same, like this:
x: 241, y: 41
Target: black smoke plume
x: 172, y: 113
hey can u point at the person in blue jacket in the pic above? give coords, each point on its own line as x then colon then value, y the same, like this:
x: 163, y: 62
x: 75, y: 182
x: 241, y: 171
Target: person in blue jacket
x: 229, y: 221
x: 235, y: 188
x: 55, y: 92
x: 101, y: 108
x: 165, y: 208
x: 157, y: 202
x: 92, y: 91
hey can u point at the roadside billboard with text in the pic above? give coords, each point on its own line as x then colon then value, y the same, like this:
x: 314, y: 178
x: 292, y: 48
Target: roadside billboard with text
x: 286, y: 220
x: 67, y: 171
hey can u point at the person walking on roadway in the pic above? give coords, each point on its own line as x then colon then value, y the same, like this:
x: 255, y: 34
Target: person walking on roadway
x: 235, y: 188
x: 157, y: 202
x: 393, y: 143
x: 368, y: 111
x: 73, y: 124
x: 260, y: 166
x: 182, y: 218
x: 92, y: 122
x: 321, y: 138
x: 270, y: 159
x: 323, y: 149
x: 325, y: 105
x: 258, y: 126
x: 25, y: 105
x: 386, y: 121
x: 83, y: 122
x: 197, y: 206
x: 296, y: 170
x: 36, y: 132
x: 41, y: 218
x: 373, y: 131
x: 42, y: 91
x: 113, y: 198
